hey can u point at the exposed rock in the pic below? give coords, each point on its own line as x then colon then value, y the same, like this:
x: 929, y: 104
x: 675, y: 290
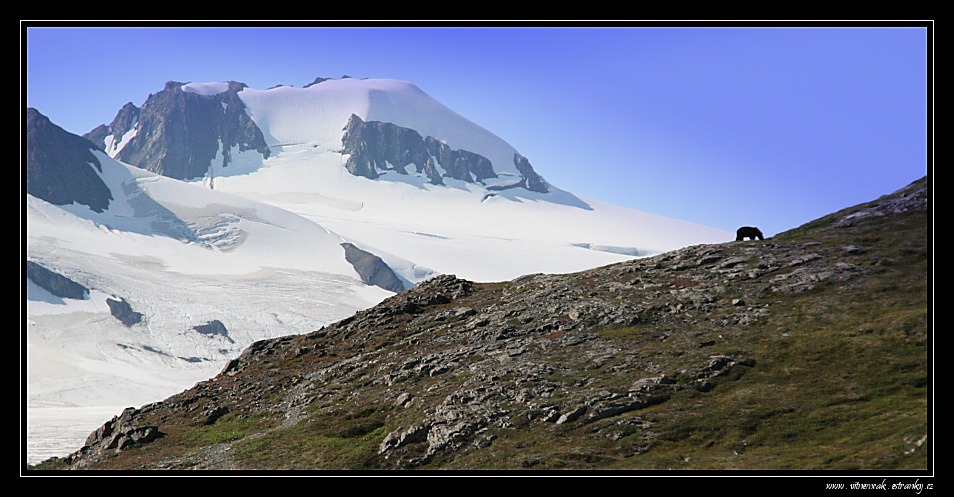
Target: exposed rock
x: 110, y: 138
x: 178, y: 133
x: 403, y: 436
x: 55, y: 283
x: 571, y: 416
x: 913, y: 197
x: 316, y: 81
x: 460, y: 164
x: 116, y: 435
x: 121, y: 310
x: 213, y: 328
x: 374, y: 147
x: 372, y: 269
x: 531, y: 180
x: 60, y: 166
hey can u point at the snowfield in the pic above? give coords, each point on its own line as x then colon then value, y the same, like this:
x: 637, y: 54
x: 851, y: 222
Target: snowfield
x: 460, y: 228
x: 257, y: 246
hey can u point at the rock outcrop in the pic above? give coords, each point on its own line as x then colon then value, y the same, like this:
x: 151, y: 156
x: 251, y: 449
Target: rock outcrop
x: 60, y: 166
x: 121, y: 310
x: 213, y: 328
x: 116, y: 435
x: 373, y: 147
x: 372, y: 269
x: 178, y: 133
x: 55, y: 283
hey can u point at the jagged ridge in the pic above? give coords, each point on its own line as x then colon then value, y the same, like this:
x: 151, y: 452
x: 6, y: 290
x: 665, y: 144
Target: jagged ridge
x: 377, y: 146
x: 178, y: 133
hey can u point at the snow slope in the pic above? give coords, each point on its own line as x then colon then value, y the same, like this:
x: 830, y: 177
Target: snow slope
x: 462, y: 228
x: 182, y: 255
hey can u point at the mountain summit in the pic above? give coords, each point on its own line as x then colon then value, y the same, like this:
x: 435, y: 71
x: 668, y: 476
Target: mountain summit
x: 180, y: 130
x: 379, y: 160
x: 186, y: 129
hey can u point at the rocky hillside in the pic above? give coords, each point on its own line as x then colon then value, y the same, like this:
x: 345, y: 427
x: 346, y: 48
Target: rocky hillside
x: 805, y: 351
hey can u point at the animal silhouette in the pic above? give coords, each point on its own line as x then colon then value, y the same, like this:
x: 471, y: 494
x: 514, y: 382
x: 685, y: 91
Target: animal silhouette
x: 749, y: 232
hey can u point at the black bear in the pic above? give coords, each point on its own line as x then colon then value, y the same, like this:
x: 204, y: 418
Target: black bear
x: 748, y: 232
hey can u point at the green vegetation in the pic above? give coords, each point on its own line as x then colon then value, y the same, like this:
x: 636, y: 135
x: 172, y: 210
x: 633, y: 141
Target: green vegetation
x: 338, y: 440
x: 823, y: 333
x: 227, y: 429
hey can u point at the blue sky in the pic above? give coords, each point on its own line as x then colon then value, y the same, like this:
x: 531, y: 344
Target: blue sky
x: 765, y: 126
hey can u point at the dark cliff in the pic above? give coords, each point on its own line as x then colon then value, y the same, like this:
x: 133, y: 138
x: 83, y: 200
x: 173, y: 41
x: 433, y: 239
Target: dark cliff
x: 375, y: 146
x: 61, y: 167
x: 178, y: 133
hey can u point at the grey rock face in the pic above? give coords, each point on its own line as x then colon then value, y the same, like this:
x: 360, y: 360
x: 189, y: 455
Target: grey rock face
x: 124, y: 122
x: 121, y: 310
x: 61, y: 167
x: 115, y: 435
x: 55, y: 283
x: 372, y: 269
x: 376, y: 146
x: 460, y: 164
x: 180, y: 132
x: 213, y: 328
x: 531, y: 180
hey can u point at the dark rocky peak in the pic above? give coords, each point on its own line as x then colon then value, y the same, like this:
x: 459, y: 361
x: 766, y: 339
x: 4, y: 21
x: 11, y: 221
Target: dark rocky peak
x: 61, y: 167
x: 179, y: 132
x: 317, y: 80
x: 320, y: 79
x: 124, y: 121
x: 375, y: 146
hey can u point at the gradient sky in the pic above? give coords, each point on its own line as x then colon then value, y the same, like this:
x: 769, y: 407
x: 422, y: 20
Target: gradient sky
x: 765, y: 126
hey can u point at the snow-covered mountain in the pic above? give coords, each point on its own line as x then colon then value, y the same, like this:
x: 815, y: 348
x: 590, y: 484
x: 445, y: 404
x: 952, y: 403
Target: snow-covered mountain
x: 215, y: 215
x: 382, y: 162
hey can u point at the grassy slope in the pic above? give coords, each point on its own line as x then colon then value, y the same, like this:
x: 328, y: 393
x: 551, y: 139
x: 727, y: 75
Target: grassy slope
x: 839, y: 380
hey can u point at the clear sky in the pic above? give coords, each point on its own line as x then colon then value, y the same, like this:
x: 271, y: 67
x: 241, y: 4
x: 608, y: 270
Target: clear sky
x: 771, y: 126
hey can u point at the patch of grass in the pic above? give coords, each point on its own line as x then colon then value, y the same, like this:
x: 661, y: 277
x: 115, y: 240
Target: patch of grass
x: 340, y: 440
x: 180, y: 438
x: 227, y: 429
x: 827, y: 396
